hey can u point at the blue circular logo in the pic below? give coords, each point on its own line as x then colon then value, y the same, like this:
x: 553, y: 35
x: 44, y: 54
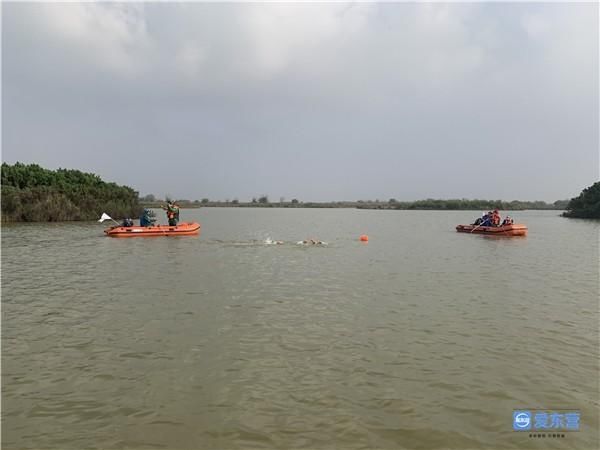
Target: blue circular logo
x: 521, y: 420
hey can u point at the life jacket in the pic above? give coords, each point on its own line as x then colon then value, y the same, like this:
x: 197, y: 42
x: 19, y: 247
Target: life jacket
x: 172, y: 211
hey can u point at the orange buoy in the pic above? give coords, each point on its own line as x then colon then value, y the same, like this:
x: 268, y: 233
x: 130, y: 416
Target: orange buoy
x: 364, y: 238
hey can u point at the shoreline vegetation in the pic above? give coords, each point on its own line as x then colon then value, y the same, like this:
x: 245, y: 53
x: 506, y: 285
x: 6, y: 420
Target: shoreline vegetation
x: 586, y: 205
x: 429, y: 204
x: 31, y: 193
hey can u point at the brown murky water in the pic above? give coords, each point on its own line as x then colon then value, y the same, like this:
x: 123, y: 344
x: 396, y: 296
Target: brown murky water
x: 422, y: 338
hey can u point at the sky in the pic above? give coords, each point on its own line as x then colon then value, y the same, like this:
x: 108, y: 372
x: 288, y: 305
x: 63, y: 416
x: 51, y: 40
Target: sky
x: 318, y: 102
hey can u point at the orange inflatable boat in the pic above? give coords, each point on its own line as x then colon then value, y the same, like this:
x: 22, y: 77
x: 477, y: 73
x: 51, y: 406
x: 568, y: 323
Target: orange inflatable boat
x: 506, y: 230
x: 182, y: 229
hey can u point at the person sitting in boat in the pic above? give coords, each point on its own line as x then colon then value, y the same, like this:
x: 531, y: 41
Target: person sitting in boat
x: 172, y: 213
x: 496, y: 219
x: 479, y: 221
x: 486, y: 220
x: 147, y: 219
x: 127, y: 222
x: 507, y: 221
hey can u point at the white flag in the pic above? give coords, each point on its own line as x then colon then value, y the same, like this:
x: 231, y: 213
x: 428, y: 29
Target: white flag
x: 105, y: 217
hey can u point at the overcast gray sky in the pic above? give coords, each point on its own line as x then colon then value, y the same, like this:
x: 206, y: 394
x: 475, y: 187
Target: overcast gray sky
x: 321, y: 101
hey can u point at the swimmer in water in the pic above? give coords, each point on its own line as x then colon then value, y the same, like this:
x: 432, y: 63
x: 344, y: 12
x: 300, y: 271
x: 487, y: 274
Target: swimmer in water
x: 312, y: 242
x: 269, y: 241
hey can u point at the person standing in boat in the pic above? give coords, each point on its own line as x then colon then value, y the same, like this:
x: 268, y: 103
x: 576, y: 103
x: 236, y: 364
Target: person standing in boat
x: 172, y: 210
x: 176, y: 207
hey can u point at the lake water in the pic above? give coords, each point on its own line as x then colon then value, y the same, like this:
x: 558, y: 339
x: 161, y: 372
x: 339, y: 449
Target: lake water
x: 421, y: 338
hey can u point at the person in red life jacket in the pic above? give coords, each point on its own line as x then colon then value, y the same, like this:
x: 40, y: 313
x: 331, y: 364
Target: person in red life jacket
x: 172, y: 210
x: 495, y: 218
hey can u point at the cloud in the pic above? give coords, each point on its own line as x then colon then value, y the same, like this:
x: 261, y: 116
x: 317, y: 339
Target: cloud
x: 243, y: 91
x: 279, y: 32
x: 110, y: 36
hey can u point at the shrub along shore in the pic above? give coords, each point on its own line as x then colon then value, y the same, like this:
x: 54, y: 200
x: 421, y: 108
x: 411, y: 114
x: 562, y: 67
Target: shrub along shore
x: 31, y: 193
x: 586, y: 205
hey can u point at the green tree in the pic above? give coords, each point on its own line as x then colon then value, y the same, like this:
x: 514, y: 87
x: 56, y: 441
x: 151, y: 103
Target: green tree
x: 586, y: 205
x: 32, y: 193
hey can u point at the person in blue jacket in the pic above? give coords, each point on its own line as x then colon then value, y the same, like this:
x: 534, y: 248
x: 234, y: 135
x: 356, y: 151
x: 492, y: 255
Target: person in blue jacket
x: 147, y: 219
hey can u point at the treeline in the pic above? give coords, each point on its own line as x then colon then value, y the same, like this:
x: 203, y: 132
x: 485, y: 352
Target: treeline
x: 487, y: 205
x: 429, y: 204
x: 31, y: 193
x: 586, y: 205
